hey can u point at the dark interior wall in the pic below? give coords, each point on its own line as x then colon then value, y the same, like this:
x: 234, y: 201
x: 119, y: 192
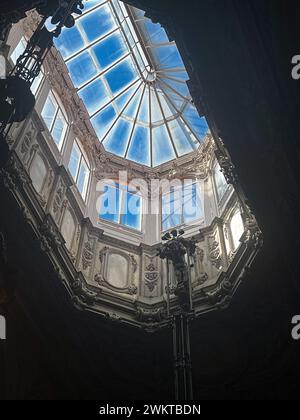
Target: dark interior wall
x: 241, y: 53
x: 54, y: 351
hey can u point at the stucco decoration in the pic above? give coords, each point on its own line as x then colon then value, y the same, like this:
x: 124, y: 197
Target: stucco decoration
x: 117, y: 271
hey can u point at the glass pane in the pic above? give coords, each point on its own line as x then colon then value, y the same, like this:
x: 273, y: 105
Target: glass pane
x: 82, y: 69
x: 192, y: 204
x: 20, y: 48
x: 49, y: 111
x: 167, y: 108
x: 110, y: 203
x: 69, y: 42
x: 167, y: 56
x: 103, y: 121
x: 139, y: 150
x: 180, y: 137
x: 37, y: 82
x: 139, y: 58
x: 123, y: 99
x: 162, y: 148
x: 89, y: 4
x: 128, y: 33
x: 119, y: 11
x: 156, y: 115
x: 132, y: 107
x: 153, y: 32
x: 110, y: 50
x: 237, y: 229
x: 97, y: 23
x: 198, y: 125
x: 144, y: 114
x: 83, y: 179
x: 74, y: 161
x: 117, y: 139
x: 173, y: 96
x: 172, y: 209
x: 121, y: 75
x: 180, y: 74
x: 94, y: 96
x: 221, y: 184
x: 59, y: 129
x: 131, y: 212
x: 178, y: 87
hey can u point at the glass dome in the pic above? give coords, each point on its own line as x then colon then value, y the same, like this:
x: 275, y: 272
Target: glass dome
x: 132, y: 81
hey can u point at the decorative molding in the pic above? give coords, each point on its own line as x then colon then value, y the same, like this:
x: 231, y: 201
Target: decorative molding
x: 151, y: 276
x: 227, y: 167
x: 201, y: 276
x: 215, y: 254
x: 50, y: 237
x: 134, y: 263
x: 59, y: 201
x: 150, y: 314
x: 14, y: 175
x: 87, y: 255
x: 199, y: 166
x: 221, y: 296
x: 101, y: 277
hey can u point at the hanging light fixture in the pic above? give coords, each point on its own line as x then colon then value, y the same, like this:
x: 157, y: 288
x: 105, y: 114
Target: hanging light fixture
x: 16, y: 98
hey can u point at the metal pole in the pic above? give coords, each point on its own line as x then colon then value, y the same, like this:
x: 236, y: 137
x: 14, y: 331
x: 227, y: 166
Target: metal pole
x: 182, y: 358
x: 168, y: 288
x: 179, y: 251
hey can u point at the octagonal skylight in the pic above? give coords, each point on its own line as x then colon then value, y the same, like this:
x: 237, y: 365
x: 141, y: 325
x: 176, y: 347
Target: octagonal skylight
x: 132, y: 81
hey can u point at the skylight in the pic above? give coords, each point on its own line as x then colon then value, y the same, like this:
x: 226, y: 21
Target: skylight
x: 132, y: 81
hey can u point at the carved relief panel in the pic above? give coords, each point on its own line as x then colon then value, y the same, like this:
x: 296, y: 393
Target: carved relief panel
x: 151, y: 279
x: 59, y: 201
x: 88, y: 254
x: 71, y: 230
x: 198, y: 273
x: 35, y: 163
x: 117, y: 271
x: 28, y: 144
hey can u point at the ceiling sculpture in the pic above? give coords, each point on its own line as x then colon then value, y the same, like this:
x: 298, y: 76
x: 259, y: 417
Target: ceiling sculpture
x: 132, y: 81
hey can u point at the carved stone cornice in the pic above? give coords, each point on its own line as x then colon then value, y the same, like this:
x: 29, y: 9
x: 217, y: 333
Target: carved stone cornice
x: 227, y: 167
x: 221, y: 296
x: 58, y: 77
x: 14, y: 175
x: 151, y: 315
x: 82, y: 294
x: 199, y: 165
x: 50, y: 236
